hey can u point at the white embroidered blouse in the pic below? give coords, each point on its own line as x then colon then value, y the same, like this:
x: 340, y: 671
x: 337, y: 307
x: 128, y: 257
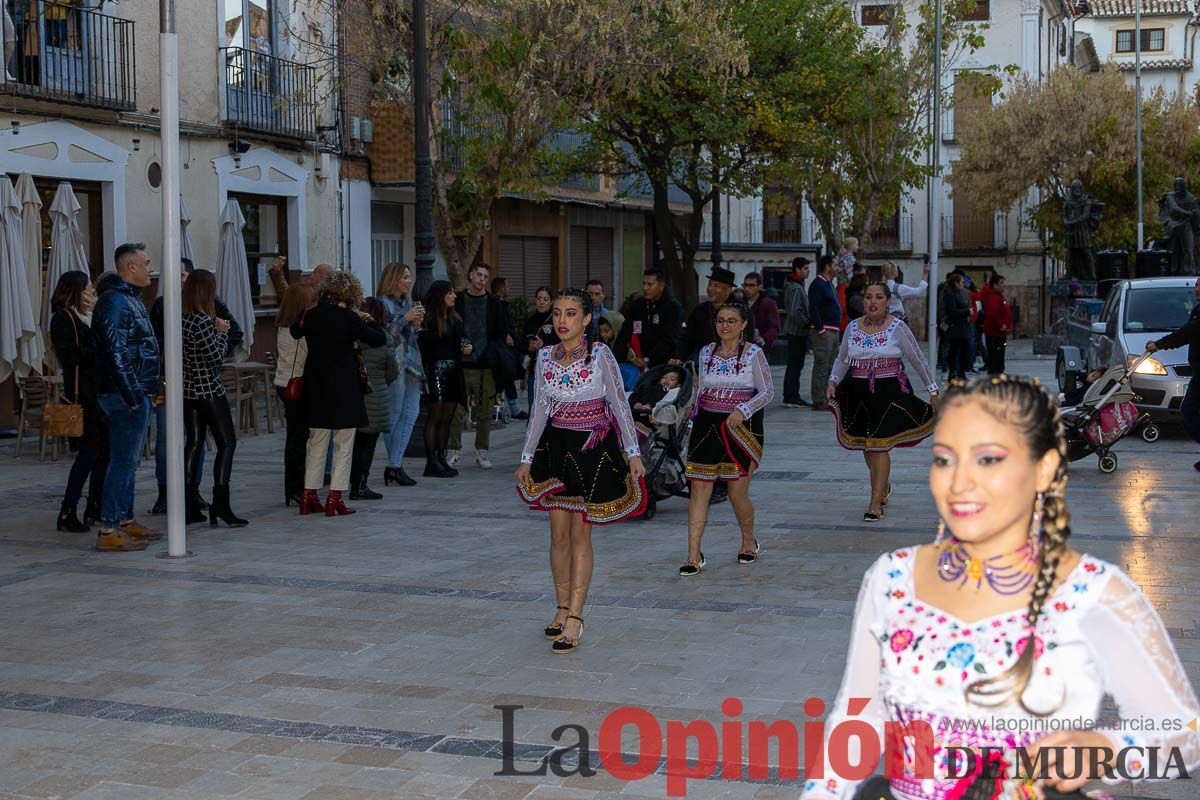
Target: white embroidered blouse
x: 582, y: 381
x: 724, y: 376
x: 895, y: 341
x: 1098, y: 635
x: 901, y: 292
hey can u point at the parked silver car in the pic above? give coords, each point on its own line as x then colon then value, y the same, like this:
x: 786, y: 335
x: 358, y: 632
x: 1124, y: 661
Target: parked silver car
x: 1134, y: 313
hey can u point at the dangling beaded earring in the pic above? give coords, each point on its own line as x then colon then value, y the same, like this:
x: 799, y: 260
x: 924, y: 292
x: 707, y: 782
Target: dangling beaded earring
x: 1035, y: 526
x: 941, y: 533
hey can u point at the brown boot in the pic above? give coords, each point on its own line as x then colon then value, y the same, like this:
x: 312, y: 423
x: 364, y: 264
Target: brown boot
x: 117, y: 541
x: 136, y: 530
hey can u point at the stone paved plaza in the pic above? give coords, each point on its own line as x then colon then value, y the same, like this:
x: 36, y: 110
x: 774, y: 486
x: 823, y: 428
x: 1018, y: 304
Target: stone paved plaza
x: 361, y: 657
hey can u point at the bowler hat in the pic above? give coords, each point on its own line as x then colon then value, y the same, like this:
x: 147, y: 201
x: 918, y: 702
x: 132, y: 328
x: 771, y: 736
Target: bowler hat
x: 722, y: 275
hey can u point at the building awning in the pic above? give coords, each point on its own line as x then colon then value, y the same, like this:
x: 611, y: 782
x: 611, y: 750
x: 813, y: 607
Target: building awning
x: 1158, y: 64
x: 1150, y: 8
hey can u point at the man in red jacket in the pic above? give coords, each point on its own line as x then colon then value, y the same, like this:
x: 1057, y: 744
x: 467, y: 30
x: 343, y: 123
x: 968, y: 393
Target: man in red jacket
x: 997, y: 322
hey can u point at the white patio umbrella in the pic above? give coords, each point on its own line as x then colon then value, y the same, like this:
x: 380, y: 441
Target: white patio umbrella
x: 20, y: 345
x: 233, y: 275
x: 31, y: 235
x: 186, y: 248
x: 66, y: 244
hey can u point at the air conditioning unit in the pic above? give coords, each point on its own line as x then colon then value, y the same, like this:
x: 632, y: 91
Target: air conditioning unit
x: 368, y: 131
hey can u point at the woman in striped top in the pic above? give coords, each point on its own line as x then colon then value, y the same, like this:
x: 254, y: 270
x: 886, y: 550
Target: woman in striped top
x: 205, y: 407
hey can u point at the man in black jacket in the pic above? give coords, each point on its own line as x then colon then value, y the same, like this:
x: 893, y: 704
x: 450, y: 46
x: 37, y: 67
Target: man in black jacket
x: 1188, y: 335
x: 484, y: 325
x: 653, y: 324
x: 233, y: 339
x: 825, y: 315
x: 127, y: 381
x: 701, y: 327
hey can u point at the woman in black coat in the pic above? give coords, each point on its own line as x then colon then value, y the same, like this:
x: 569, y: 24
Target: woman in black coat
x: 957, y: 304
x: 333, y: 390
x: 74, y: 345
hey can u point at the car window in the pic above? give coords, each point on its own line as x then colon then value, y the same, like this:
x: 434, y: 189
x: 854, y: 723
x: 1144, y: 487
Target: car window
x: 1108, y: 312
x: 1158, y: 309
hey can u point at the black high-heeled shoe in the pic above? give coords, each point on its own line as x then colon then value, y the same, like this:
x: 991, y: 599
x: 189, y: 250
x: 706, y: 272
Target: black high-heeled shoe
x: 68, y: 521
x: 568, y: 644
x: 554, y: 630
x: 292, y: 497
x: 220, y: 509
x: 398, y: 476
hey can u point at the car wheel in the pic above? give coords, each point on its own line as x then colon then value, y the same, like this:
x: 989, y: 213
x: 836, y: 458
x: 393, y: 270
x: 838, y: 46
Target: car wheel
x: 1060, y: 373
x: 1150, y: 433
x: 1108, y: 463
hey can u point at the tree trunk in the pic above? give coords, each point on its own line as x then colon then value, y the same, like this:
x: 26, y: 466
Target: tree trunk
x: 682, y: 281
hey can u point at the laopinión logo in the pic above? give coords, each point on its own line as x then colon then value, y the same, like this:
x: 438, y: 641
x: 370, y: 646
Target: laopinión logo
x: 741, y: 749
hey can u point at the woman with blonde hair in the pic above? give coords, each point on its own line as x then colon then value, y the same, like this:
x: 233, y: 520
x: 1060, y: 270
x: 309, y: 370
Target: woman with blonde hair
x: 404, y: 320
x: 900, y: 291
x: 998, y: 632
x: 334, y: 385
x: 291, y: 353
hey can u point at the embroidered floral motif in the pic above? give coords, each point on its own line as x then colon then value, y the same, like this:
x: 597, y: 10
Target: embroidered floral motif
x: 901, y: 640
x: 961, y: 655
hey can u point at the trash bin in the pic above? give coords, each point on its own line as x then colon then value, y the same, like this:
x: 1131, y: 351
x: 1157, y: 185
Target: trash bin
x: 1112, y: 265
x: 1153, y: 263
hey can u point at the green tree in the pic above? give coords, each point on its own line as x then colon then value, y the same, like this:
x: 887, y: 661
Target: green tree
x: 869, y: 143
x: 1078, y: 125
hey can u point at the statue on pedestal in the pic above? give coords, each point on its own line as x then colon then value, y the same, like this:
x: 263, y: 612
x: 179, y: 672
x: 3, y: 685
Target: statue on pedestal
x: 1081, y: 218
x: 1180, y: 217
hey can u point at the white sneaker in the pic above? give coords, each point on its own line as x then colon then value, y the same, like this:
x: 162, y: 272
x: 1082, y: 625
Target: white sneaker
x: 481, y: 459
x: 453, y: 457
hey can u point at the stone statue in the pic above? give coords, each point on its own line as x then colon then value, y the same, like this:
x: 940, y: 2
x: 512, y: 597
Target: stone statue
x: 1081, y: 218
x: 1180, y: 217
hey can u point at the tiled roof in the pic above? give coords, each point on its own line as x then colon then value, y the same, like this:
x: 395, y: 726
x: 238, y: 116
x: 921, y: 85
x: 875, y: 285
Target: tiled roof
x: 1157, y: 64
x: 1150, y: 8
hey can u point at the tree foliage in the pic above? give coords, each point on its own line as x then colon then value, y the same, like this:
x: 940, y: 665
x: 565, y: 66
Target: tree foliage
x: 1078, y: 125
x: 869, y: 145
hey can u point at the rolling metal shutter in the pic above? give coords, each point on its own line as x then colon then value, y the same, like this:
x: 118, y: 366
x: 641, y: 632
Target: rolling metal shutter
x: 591, y: 256
x: 527, y: 262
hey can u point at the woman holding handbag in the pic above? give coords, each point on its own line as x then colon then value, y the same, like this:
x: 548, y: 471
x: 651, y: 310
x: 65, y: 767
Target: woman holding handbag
x: 334, y: 386
x: 289, y: 385
x: 74, y: 346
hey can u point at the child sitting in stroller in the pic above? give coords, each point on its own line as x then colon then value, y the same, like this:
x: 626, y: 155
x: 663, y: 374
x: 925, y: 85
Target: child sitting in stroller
x: 655, y: 404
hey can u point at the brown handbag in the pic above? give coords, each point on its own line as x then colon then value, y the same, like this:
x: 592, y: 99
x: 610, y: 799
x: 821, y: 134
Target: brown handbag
x: 65, y: 419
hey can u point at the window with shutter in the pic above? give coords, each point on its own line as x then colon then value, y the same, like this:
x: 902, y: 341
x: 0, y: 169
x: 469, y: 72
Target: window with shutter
x: 527, y: 262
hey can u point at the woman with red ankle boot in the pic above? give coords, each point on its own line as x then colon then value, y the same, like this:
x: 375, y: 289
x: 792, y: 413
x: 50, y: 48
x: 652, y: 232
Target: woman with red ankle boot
x: 333, y: 386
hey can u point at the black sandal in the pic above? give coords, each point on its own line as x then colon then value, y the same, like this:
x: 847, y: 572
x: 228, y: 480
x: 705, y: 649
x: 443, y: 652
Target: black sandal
x: 689, y: 568
x: 555, y: 630
x: 871, y: 516
x: 566, y: 644
x: 749, y: 556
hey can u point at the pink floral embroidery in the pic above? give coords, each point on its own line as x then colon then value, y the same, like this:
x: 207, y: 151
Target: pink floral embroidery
x: 901, y: 640
x: 1038, y: 646
x: 898, y: 594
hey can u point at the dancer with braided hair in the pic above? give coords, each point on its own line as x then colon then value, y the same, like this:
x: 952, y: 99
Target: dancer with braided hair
x: 575, y: 466
x: 726, y: 438
x: 869, y: 394
x: 999, y: 632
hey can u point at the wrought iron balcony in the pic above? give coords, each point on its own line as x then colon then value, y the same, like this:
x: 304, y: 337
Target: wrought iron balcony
x: 975, y: 232
x: 73, y: 55
x: 892, y: 234
x: 270, y: 95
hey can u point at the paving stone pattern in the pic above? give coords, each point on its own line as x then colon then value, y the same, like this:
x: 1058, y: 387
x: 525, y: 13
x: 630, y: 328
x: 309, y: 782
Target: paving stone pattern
x: 363, y: 657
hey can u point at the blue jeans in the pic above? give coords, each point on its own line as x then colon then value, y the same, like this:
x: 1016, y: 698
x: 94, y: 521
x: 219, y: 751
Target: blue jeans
x: 1190, y: 408
x: 405, y: 406
x: 127, y: 430
x: 160, y: 448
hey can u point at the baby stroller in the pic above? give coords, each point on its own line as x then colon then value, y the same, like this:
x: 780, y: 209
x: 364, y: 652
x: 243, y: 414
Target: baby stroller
x: 663, y: 446
x: 1105, y: 415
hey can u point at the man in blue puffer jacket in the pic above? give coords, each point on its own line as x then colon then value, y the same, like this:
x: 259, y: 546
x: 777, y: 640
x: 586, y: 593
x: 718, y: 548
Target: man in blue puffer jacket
x: 127, y: 375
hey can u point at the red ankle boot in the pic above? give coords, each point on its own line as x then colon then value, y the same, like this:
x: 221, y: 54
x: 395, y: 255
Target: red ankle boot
x: 334, y: 505
x: 310, y: 503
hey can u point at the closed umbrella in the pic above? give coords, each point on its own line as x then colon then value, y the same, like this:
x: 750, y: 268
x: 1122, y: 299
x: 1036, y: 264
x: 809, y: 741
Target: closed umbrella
x: 66, y: 244
x: 186, y: 248
x: 233, y: 275
x: 20, y: 345
x: 31, y: 235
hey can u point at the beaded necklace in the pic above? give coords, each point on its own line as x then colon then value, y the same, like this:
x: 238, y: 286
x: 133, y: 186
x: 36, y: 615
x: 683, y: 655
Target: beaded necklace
x: 561, y: 354
x: 1007, y: 574
x: 712, y: 356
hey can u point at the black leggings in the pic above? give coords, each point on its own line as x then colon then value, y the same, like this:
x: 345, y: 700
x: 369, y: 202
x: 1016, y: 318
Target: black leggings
x: 295, y: 446
x: 91, y: 458
x: 200, y: 418
x: 437, y: 426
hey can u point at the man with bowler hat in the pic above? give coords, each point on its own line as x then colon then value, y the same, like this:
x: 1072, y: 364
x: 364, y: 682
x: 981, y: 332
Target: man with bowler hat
x: 701, y: 326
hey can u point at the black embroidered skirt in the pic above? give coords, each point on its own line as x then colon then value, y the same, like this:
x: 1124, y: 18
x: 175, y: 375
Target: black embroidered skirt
x: 718, y: 452
x: 444, y: 380
x: 882, y: 419
x: 595, y: 483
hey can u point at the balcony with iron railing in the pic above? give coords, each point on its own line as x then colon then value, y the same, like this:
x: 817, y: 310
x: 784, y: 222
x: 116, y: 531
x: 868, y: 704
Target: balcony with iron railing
x: 893, y: 234
x: 975, y: 232
x: 72, y: 55
x: 269, y: 95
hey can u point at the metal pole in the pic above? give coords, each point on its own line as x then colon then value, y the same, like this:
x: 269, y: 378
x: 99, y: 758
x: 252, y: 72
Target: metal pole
x: 169, y: 268
x: 716, y: 216
x: 1137, y: 90
x: 421, y: 161
x: 935, y: 184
